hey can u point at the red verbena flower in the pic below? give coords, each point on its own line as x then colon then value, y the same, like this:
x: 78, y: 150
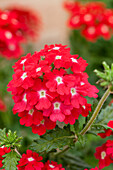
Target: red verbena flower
x: 30, y: 160
x: 103, y: 156
x: 52, y: 166
x: 46, y: 91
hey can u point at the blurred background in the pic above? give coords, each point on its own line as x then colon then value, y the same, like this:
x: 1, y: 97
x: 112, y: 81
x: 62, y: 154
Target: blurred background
x: 53, y: 29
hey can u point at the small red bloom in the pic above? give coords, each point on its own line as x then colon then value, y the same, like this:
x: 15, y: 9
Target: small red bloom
x: 102, y: 155
x: 45, y: 124
x: 52, y: 166
x: 30, y: 160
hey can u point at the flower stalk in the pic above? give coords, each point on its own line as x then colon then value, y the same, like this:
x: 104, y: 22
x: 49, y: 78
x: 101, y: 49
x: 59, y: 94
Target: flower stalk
x: 96, y: 112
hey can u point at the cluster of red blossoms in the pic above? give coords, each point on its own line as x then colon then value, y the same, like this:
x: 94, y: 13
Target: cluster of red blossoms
x: 50, y: 86
x: 92, y: 18
x: 105, y: 152
x: 31, y: 161
x: 17, y: 25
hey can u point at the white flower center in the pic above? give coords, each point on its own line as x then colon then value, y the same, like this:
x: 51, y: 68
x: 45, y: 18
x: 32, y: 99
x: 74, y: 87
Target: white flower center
x: 73, y: 91
x: 110, y: 19
x: 103, y: 155
x: 56, y: 48
x: 30, y: 159
x: 74, y: 60
x: 24, y: 98
x: 91, y: 30
x: 82, y: 83
x: 87, y: 17
x: 12, y: 47
x: 24, y: 75
x: 104, y: 29
x: 8, y: 34
x: 4, y: 16
x: 59, y: 80
x: 51, y: 166
x: 56, y: 105
x: 58, y: 57
x: 31, y: 112
x: 84, y: 107
x: 42, y: 93
x: 23, y: 61
x: 38, y: 69
x: 76, y: 19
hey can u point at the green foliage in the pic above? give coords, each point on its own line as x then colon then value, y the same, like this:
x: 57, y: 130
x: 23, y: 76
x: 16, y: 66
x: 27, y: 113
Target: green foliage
x: 102, y: 120
x: 105, y: 115
x: 74, y: 162
x: 55, y: 139
x: 106, y: 76
x: 9, y: 139
x: 10, y: 161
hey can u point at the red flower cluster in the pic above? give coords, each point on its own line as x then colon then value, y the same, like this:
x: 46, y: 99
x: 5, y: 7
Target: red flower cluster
x: 105, y: 154
x: 31, y: 161
x: 93, y: 19
x: 2, y: 106
x: 17, y: 25
x: 3, y: 151
x: 44, y: 92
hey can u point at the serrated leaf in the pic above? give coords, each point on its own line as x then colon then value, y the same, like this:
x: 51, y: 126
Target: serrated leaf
x: 2, y: 134
x: 57, y: 138
x: 10, y: 161
x: 105, y: 115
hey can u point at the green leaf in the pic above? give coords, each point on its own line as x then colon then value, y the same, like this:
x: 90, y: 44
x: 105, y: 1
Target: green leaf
x: 10, y: 161
x: 57, y: 138
x: 74, y: 162
x: 2, y: 134
x: 105, y: 115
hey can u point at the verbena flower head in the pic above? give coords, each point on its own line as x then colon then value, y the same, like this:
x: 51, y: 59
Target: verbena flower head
x: 93, y: 19
x: 30, y: 160
x: 52, y: 166
x: 17, y: 26
x: 50, y: 86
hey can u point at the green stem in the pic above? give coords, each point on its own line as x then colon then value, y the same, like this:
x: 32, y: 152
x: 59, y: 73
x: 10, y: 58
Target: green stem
x: 97, y: 110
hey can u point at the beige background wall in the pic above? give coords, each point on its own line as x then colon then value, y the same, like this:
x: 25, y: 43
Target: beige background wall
x: 53, y: 17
